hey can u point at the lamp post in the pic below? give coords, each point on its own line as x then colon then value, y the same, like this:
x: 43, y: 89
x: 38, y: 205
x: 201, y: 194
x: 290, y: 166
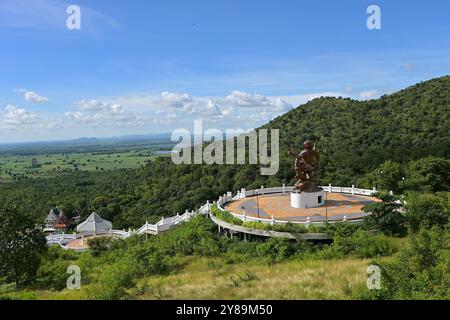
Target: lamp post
x: 257, y: 202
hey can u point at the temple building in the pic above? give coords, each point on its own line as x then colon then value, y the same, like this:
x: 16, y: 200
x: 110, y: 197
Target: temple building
x: 94, y: 224
x: 52, y: 217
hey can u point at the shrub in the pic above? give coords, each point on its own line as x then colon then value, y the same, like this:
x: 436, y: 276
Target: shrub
x: 369, y: 245
x: 425, y: 210
x: 341, y: 229
x: 275, y: 249
x: 386, y: 216
x: 52, y: 273
x: 225, y: 216
x: 363, y: 244
x: 113, y: 282
x: 196, y: 237
x: 420, y: 271
x: 290, y: 227
x: 99, y: 245
x: 158, y: 263
x: 257, y: 225
x: 236, y: 246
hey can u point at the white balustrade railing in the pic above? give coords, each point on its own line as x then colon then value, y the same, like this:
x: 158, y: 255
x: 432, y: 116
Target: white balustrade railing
x: 287, y: 189
x: 166, y: 224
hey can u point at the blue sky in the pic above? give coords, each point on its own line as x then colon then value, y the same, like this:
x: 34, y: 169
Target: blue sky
x: 153, y: 66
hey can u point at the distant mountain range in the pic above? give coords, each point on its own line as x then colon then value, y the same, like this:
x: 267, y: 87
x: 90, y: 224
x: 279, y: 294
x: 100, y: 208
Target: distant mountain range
x: 93, y: 140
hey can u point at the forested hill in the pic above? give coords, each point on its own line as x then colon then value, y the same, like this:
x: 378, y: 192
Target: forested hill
x: 354, y: 137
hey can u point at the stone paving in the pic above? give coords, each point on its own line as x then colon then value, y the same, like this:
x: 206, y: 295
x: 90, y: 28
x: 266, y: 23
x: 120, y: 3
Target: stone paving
x: 337, y: 206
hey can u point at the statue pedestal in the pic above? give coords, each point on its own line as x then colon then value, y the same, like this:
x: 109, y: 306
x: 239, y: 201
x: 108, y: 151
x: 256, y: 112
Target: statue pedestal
x: 307, y: 199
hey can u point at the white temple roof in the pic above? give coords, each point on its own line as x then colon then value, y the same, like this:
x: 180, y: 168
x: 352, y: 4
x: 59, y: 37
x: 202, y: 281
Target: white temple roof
x: 94, y: 223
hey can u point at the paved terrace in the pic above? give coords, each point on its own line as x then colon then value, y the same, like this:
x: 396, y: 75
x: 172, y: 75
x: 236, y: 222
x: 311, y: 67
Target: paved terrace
x: 338, y: 206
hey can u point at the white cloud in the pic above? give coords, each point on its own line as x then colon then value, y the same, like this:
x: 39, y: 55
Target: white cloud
x: 243, y: 99
x: 369, y: 94
x: 175, y: 100
x: 210, y: 109
x: 32, y: 96
x: 16, y: 117
x: 97, y: 113
x: 169, y: 110
x: 99, y: 106
x: 52, y: 124
x: 281, y: 105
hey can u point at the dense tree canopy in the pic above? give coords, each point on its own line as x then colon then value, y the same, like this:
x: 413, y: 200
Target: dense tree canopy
x: 21, y: 246
x: 355, y: 138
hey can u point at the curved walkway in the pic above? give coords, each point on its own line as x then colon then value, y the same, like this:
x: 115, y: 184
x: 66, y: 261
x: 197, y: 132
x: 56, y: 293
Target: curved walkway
x: 344, y: 201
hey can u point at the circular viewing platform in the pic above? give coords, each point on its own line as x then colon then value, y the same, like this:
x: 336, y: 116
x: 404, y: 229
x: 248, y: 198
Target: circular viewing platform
x: 336, y: 207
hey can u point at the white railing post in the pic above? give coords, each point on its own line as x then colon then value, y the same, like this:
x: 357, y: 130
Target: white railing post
x: 308, y: 221
x: 345, y: 219
x: 262, y: 190
x: 244, y: 216
x: 273, y: 220
x: 353, y: 189
x: 330, y: 188
x: 284, y: 188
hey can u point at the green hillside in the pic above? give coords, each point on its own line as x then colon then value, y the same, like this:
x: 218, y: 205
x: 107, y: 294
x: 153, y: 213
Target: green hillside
x: 404, y: 135
x: 354, y: 138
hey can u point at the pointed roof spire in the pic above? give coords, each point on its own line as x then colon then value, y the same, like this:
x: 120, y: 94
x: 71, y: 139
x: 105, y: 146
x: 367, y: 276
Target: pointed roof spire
x: 94, y: 223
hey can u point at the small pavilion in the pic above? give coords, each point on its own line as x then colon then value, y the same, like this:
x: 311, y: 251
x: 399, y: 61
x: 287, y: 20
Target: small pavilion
x: 94, y: 224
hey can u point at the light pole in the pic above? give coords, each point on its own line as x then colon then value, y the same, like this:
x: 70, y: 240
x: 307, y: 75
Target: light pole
x: 257, y: 202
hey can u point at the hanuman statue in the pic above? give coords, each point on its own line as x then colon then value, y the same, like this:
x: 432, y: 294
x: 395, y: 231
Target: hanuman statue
x: 306, y: 165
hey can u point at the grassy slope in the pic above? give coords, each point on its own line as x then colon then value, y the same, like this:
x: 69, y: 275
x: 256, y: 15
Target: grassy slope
x: 203, y: 278
x: 294, y: 279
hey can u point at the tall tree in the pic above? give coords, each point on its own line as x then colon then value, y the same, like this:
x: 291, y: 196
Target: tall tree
x: 21, y: 246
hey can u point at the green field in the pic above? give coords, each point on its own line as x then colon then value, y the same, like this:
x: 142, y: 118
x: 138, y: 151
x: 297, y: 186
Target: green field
x: 17, y: 167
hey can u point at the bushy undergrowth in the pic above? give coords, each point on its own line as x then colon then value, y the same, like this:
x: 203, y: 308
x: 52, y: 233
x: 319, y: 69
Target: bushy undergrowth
x: 363, y: 244
x: 419, y: 271
x: 288, y: 227
x: 225, y: 216
x: 113, y: 269
x: 52, y: 273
